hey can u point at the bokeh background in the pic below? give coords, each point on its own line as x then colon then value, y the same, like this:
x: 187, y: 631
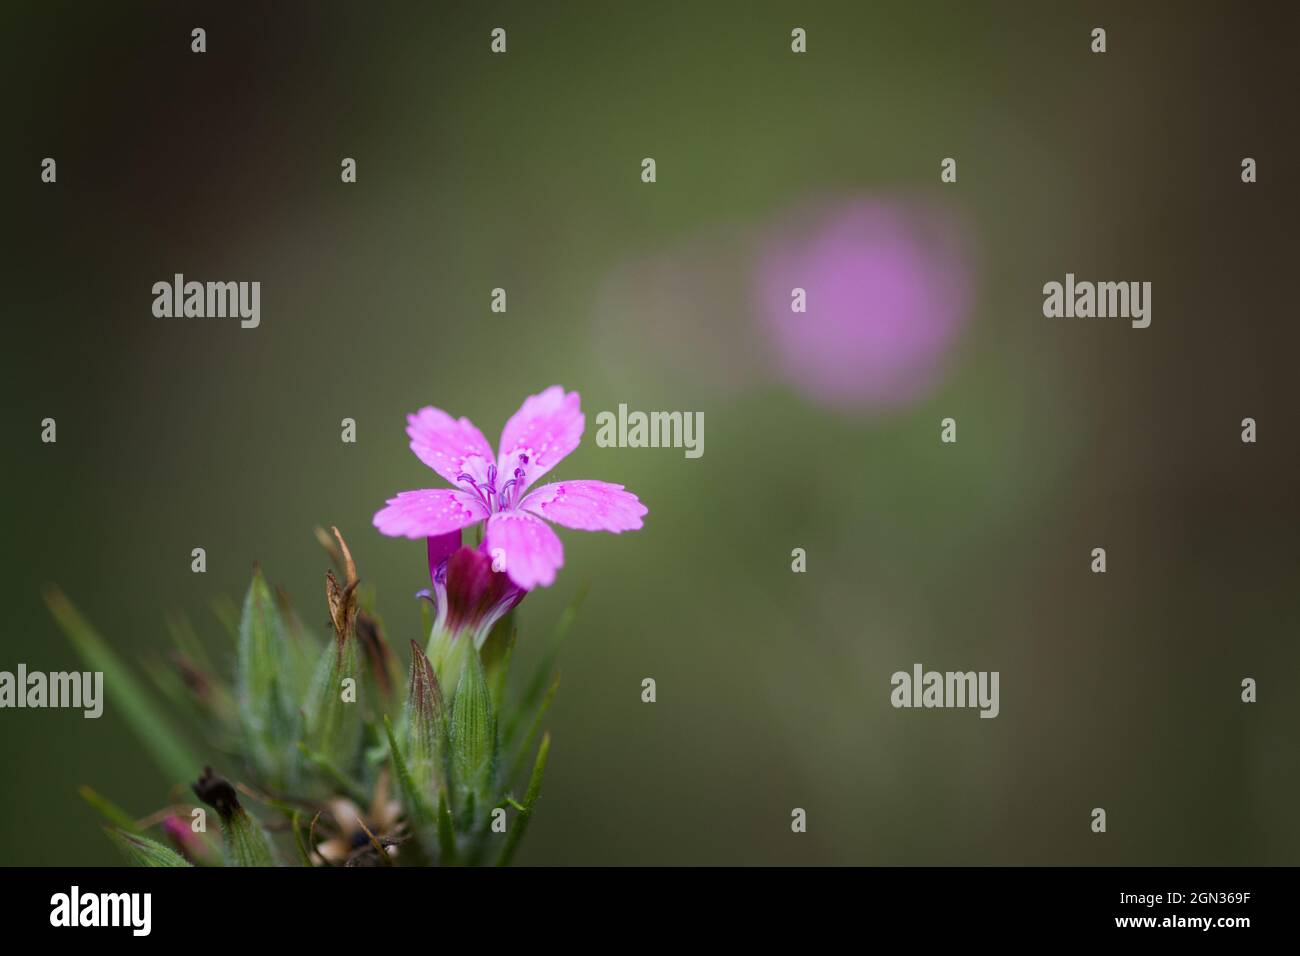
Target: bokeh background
x: 522, y: 171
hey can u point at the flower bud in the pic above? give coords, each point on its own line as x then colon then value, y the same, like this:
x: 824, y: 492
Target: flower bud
x: 244, y: 843
x: 426, y: 726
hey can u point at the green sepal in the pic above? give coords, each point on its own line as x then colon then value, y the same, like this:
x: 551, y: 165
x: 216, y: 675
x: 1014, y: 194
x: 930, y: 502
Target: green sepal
x: 334, y: 725
x: 426, y: 725
x: 473, y: 737
x: 142, y: 851
x: 244, y: 842
x: 448, y: 653
x: 415, y: 802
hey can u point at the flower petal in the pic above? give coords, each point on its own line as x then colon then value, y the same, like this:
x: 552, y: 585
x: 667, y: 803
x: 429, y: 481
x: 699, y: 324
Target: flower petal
x: 433, y: 511
x: 440, y: 547
x: 477, y: 595
x: 586, y: 505
x: 525, y: 548
x: 546, y: 428
x: 449, y: 446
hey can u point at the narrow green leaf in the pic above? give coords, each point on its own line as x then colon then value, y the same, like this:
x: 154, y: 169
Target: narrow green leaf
x: 126, y: 694
x: 227, y: 613
x: 542, y: 674
x: 446, y: 832
x: 142, y: 851
x: 303, y: 855
x: 187, y: 640
x: 167, y: 683
x: 108, y: 810
x: 516, y: 832
x: 570, y: 613
x: 521, y: 754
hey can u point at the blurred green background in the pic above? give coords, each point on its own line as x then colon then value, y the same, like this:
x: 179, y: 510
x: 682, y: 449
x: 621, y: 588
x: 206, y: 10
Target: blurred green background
x: 522, y: 171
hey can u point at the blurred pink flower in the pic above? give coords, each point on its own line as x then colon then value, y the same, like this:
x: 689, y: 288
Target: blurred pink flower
x: 888, y: 287
x: 546, y: 428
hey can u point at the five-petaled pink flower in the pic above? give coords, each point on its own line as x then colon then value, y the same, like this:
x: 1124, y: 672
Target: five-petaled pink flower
x: 496, y: 488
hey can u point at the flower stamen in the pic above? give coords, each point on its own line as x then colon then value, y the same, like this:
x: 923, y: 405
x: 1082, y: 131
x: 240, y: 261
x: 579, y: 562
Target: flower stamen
x: 477, y: 489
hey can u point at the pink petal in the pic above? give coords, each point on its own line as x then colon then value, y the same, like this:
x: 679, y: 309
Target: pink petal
x: 449, y: 446
x: 586, y: 505
x: 434, y: 511
x: 546, y: 428
x: 527, y: 547
x: 440, y: 547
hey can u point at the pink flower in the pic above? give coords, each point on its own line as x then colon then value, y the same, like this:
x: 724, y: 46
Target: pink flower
x: 468, y: 596
x: 495, y: 488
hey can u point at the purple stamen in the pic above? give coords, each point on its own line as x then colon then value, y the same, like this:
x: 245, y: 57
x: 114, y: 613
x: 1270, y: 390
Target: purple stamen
x: 477, y: 490
x: 517, y: 482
